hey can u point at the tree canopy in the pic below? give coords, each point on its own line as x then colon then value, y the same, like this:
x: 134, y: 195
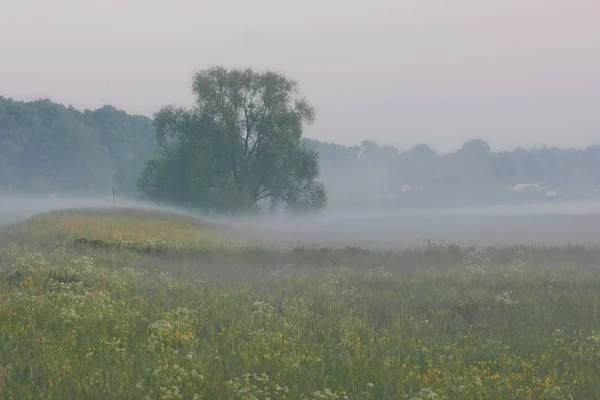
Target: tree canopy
x: 238, y: 148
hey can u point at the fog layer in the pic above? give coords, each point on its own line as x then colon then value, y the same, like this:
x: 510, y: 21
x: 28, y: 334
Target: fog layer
x: 535, y: 224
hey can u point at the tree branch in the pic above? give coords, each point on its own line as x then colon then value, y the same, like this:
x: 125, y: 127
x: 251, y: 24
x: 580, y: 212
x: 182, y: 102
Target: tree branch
x: 262, y: 196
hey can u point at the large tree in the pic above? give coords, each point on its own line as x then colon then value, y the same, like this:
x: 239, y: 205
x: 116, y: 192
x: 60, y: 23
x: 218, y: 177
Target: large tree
x: 239, y: 146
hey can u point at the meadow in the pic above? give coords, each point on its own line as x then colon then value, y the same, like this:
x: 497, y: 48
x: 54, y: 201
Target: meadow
x: 133, y: 305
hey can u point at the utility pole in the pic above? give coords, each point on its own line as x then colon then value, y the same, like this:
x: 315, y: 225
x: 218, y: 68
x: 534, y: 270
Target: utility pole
x: 113, y: 196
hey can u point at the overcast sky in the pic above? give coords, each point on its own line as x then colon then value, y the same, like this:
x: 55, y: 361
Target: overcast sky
x: 400, y: 72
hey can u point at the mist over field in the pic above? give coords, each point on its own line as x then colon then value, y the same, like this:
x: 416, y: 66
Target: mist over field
x: 532, y: 224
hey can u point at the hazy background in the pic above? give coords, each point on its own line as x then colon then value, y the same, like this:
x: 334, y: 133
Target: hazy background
x: 512, y: 72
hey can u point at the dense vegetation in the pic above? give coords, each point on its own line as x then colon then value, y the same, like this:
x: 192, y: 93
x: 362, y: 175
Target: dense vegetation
x: 155, y: 307
x: 240, y: 144
x: 48, y: 148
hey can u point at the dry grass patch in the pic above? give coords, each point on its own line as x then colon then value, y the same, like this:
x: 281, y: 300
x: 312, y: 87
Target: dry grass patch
x: 135, y: 227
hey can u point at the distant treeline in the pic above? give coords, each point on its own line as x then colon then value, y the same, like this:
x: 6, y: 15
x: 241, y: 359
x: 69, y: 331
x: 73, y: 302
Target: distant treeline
x: 377, y: 176
x: 48, y: 148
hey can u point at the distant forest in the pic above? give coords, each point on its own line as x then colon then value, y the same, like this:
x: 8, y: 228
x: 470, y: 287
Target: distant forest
x: 49, y: 149
x: 374, y: 177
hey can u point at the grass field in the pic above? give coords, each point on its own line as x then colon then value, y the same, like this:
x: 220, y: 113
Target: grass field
x: 131, y: 305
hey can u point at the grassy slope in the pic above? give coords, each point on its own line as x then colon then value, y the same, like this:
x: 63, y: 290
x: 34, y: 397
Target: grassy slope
x: 163, y: 307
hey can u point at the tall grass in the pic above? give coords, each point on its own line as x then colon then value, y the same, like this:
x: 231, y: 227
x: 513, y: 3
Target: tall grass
x: 177, y: 319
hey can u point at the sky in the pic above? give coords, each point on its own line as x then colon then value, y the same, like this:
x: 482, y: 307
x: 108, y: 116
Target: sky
x: 511, y: 72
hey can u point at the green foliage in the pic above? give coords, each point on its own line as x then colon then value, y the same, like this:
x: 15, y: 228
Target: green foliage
x: 48, y: 148
x: 241, y: 148
x: 237, y: 148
